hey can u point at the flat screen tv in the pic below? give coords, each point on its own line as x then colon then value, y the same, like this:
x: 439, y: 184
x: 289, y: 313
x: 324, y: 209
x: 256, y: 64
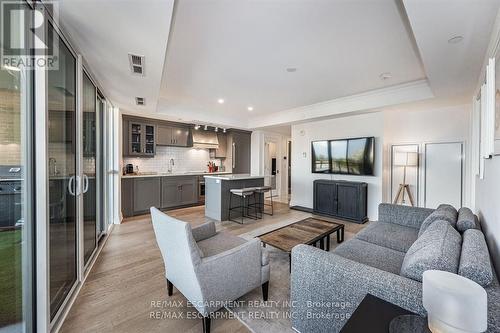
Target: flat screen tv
x: 346, y: 156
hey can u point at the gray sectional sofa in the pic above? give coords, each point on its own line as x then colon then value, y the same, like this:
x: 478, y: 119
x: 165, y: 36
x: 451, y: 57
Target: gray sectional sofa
x: 387, y: 259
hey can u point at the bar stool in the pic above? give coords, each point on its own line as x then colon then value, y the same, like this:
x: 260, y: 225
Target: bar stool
x: 261, y: 191
x: 244, y: 194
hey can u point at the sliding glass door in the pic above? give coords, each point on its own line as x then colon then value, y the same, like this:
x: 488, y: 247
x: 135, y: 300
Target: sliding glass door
x: 101, y: 171
x: 16, y: 191
x: 62, y: 176
x: 89, y: 163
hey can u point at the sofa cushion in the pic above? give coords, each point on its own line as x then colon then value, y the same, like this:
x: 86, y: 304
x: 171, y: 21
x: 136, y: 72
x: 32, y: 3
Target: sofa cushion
x: 438, y: 248
x: 403, y: 215
x: 444, y: 213
x: 219, y: 243
x: 373, y: 255
x: 467, y: 220
x: 475, y: 259
x: 393, y: 236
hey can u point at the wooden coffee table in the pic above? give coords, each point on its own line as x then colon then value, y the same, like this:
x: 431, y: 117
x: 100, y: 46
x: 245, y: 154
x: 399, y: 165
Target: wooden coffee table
x: 310, y: 231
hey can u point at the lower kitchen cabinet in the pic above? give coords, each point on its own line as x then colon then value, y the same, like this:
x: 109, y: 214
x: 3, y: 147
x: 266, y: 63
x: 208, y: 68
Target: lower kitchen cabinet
x: 146, y: 194
x: 139, y: 194
x: 179, y: 191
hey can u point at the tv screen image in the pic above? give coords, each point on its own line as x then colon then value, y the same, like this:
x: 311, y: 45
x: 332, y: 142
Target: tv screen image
x: 360, y: 156
x: 338, y: 153
x: 320, y: 157
x: 346, y: 156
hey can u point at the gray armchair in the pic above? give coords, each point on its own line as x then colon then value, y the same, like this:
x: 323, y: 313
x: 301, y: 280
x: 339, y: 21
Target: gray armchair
x: 209, y: 268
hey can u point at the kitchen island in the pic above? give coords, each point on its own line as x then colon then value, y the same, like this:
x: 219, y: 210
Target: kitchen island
x: 217, y: 193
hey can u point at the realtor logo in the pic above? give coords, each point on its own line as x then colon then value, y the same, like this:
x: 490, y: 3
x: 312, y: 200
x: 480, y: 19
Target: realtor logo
x: 27, y: 37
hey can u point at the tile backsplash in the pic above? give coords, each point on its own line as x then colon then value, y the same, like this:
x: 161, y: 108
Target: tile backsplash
x: 185, y: 159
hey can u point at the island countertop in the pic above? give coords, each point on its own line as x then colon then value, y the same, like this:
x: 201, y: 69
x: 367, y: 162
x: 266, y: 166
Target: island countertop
x: 240, y: 176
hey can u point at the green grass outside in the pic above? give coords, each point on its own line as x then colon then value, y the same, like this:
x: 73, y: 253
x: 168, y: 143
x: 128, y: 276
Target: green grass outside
x: 10, y: 277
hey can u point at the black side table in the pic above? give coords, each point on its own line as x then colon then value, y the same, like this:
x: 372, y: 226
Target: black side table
x: 373, y: 315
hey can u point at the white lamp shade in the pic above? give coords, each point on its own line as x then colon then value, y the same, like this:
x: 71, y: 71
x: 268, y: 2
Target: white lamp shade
x: 407, y: 158
x: 454, y: 303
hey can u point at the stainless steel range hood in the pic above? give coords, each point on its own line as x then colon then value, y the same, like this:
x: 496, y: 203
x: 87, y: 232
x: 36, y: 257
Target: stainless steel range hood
x: 205, y: 139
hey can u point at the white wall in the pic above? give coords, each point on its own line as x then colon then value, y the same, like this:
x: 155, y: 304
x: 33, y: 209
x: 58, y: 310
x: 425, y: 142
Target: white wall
x: 394, y: 126
x: 488, y: 206
x: 445, y: 124
x: 355, y: 126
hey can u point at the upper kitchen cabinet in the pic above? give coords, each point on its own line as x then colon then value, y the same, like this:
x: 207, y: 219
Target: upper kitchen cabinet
x: 221, y: 151
x: 174, y: 136
x: 239, y: 144
x: 139, y: 138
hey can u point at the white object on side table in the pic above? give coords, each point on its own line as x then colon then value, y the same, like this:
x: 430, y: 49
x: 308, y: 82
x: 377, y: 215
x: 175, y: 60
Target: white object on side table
x: 454, y: 303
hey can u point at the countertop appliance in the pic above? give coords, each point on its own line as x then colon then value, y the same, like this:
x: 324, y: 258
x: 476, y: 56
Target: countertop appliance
x: 129, y: 168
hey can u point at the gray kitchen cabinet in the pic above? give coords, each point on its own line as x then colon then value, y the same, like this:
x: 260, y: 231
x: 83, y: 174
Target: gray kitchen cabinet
x: 221, y: 152
x: 174, y: 136
x: 179, y: 191
x: 181, y: 137
x: 140, y: 139
x: 189, y: 191
x: 164, y: 135
x: 240, y: 151
x: 128, y: 197
x: 170, y: 196
x: 147, y: 194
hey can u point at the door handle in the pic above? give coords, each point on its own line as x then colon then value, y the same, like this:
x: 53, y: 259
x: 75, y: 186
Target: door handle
x: 70, y: 185
x: 85, y: 183
x: 234, y: 155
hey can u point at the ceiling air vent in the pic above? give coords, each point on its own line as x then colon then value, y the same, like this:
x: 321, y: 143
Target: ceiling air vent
x: 140, y: 101
x: 136, y: 64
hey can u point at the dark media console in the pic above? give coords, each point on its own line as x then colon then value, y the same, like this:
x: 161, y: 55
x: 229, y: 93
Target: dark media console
x: 341, y: 199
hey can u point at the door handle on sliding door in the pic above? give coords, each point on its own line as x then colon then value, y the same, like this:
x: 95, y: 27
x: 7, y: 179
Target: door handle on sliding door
x: 85, y: 183
x: 74, y: 185
x: 71, y: 182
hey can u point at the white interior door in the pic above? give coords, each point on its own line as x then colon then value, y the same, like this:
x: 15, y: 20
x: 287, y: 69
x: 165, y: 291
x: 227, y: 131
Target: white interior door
x: 271, y: 169
x: 443, y: 174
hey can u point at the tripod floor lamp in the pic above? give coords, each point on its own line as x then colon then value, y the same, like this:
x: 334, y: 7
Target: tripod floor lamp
x: 405, y: 159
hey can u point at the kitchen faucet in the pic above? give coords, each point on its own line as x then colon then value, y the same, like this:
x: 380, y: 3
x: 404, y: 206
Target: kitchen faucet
x: 171, y: 163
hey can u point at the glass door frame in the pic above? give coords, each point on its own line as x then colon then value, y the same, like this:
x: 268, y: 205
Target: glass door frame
x: 43, y: 311
x: 80, y: 152
x: 41, y: 188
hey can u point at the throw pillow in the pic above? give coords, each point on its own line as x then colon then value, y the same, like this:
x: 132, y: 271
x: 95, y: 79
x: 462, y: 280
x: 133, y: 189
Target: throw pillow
x: 444, y: 212
x: 467, y: 220
x: 437, y: 248
x: 475, y: 259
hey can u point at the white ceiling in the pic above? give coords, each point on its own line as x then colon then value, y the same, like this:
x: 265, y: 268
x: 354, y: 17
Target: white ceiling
x: 105, y: 31
x: 239, y: 51
x: 452, y: 69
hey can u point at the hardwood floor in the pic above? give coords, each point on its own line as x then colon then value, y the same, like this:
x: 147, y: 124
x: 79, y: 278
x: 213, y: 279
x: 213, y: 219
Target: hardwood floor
x: 128, y: 277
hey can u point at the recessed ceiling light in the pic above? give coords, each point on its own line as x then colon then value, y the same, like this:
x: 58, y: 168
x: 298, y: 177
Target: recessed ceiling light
x: 455, y: 40
x: 250, y: 108
x: 385, y: 76
x: 291, y: 69
x: 220, y: 101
